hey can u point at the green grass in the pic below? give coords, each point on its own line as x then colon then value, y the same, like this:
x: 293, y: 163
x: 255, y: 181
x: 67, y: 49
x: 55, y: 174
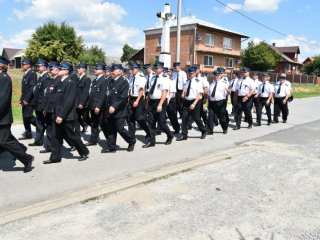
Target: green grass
x: 305, y: 90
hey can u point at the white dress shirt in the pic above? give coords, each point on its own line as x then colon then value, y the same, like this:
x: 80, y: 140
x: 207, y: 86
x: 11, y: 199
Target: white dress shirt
x: 244, y: 86
x: 268, y: 89
x: 139, y: 82
x: 195, y: 88
x: 163, y: 83
x: 233, y: 84
x: 221, y: 90
x: 284, y: 90
x: 182, y: 79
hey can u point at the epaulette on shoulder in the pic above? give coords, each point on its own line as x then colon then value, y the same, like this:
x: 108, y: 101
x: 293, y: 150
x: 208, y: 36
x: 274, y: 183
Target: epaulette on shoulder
x: 197, y: 80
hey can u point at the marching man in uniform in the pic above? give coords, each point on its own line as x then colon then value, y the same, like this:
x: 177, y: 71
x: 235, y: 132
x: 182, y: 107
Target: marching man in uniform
x: 266, y: 91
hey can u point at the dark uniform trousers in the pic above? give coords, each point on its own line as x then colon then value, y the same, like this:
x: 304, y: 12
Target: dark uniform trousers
x: 28, y: 118
x: 195, y: 114
x: 263, y: 103
x: 116, y: 125
x: 9, y: 143
x: 96, y: 120
x: 83, y: 118
x: 203, y: 112
x: 244, y: 107
x: 233, y: 103
x: 155, y: 117
x: 66, y: 131
x: 256, y: 103
x: 280, y: 107
x: 179, y: 101
x: 41, y: 127
x: 137, y: 114
x: 172, y: 114
x: 218, y: 108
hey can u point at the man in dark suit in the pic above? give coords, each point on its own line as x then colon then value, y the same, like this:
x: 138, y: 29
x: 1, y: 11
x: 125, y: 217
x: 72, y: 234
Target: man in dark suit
x: 39, y: 102
x: 29, y: 80
x: 64, y: 116
x: 82, y: 98
x: 117, y: 108
x: 7, y: 141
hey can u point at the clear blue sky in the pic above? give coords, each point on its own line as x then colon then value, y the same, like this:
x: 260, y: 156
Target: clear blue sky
x: 112, y: 23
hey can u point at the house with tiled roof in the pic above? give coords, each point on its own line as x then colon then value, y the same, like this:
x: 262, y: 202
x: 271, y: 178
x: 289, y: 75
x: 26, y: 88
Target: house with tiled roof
x: 14, y: 55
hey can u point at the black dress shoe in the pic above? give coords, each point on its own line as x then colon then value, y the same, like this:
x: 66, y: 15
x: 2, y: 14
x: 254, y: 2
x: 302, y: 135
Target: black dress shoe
x: 189, y: 127
x: 90, y: 144
x: 131, y: 147
x: 284, y: 121
x: 108, y: 150
x: 25, y: 137
x: 45, y: 151
x: 249, y: 126
x: 169, y: 141
x: 83, y: 158
x: 275, y: 121
x: 28, y: 167
x: 51, y: 161
x: 225, y: 131
x: 258, y: 124
x: 182, y: 138
x: 149, y: 144
x: 236, y: 128
x: 269, y: 123
x: 203, y: 135
x: 35, y: 144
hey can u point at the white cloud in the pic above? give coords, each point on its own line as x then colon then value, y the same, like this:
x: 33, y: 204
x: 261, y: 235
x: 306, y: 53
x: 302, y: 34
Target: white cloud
x: 306, y: 50
x: 235, y: 6
x: 261, y: 6
x: 18, y: 40
x: 97, y: 21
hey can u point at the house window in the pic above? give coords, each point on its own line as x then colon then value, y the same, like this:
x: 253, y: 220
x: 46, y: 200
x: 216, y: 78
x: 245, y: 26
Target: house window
x: 209, y: 40
x: 159, y: 40
x: 229, y: 62
x: 227, y: 43
x: 208, y: 60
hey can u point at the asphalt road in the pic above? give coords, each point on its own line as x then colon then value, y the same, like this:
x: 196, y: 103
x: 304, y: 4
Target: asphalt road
x: 271, y: 193
x: 46, y: 182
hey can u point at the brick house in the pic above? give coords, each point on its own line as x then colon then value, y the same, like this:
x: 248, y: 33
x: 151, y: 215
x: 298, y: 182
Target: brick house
x: 201, y: 42
x: 289, y: 63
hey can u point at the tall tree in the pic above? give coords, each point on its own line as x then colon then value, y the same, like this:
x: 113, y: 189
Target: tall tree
x: 92, y: 55
x: 260, y: 57
x: 55, y: 42
x: 128, y: 52
x: 313, y: 67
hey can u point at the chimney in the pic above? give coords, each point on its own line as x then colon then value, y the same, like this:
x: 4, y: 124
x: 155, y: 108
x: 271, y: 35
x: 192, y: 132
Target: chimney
x: 274, y: 44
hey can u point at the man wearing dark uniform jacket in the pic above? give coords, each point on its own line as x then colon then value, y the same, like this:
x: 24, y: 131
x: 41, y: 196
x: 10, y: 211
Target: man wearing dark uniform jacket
x: 97, y: 93
x: 7, y: 141
x: 42, y: 83
x: 82, y: 98
x: 117, y: 109
x: 29, y: 80
x: 64, y: 116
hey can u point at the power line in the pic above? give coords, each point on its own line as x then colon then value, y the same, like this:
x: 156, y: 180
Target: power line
x: 265, y: 26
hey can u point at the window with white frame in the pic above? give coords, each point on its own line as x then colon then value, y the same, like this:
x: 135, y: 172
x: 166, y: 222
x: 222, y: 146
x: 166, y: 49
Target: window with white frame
x: 229, y: 62
x: 209, y: 40
x: 208, y: 60
x: 227, y: 43
x: 159, y: 40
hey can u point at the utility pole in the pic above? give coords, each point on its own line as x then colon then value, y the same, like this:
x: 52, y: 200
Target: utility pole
x: 178, y: 31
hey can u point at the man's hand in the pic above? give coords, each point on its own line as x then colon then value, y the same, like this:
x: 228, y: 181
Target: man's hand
x: 135, y: 104
x: 111, y: 110
x: 58, y: 120
x: 80, y: 106
x: 97, y: 111
x: 25, y: 103
x: 159, y: 108
x: 192, y: 106
x: 284, y: 101
x: 244, y: 99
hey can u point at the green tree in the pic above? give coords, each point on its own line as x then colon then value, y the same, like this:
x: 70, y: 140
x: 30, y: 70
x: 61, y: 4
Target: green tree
x: 128, y: 52
x: 313, y: 67
x: 55, y: 42
x: 260, y: 57
x: 92, y: 55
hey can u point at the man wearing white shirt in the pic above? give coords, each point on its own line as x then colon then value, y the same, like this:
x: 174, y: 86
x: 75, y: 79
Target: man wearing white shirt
x: 256, y: 101
x: 148, y: 75
x: 266, y: 91
x: 157, y: 105
x: 172, y: 102
x: 282, y: 92
x: 218, y: 92
x: 192, y: 105
x: 244, y: 92
x: 233, y: 84
x: 180, y: 78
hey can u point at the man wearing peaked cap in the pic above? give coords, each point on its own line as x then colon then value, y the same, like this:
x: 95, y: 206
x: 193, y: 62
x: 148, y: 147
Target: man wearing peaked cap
x: 43, y: 82
x: 148, y: 75
x: 7, y: 141
x: 233, y: 84
x: 266, y: 91
x: 256, y: 101
x: 29, y: 81
x: 180, y: 78
x: 82, y: 98
x: 137, y: 102
x: 97, y: 95
x: 64, y: 116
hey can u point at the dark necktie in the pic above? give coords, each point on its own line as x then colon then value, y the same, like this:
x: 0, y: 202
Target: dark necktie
x: 154, y: 85
x: 263, y: 87
x: 279, y: 89
x: 214, y: 90
x: 241, y: 84
x: 232, y: 83
x: 177, y: 83
x: 188, y: 89
x: 132, y: 90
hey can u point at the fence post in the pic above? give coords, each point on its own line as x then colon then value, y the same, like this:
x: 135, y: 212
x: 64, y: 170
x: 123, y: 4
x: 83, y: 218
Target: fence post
x: 293, y: 78
x: 300, y: 79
